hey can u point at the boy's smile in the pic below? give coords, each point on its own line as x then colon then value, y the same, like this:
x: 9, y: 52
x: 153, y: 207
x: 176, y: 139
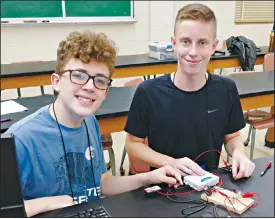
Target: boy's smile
x: 76, y: 101
x: 85, y: 100
x: 194, y: 43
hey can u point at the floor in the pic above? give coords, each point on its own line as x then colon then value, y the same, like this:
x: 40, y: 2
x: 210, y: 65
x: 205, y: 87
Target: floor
x: 119, y: 138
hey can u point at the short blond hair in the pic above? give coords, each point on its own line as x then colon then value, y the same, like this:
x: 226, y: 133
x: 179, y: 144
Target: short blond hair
x: 197, y: 12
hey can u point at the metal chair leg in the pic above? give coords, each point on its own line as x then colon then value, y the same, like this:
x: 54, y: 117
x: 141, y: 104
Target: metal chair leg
x: 42, y: 90
x: 246, y: 142
x: 18, y: 92
x: 112, y: 161
x: 252, y: 143
x: 122, y: 171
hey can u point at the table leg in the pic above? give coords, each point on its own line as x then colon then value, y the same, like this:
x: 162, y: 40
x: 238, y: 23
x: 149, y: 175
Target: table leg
x: 269, y: 140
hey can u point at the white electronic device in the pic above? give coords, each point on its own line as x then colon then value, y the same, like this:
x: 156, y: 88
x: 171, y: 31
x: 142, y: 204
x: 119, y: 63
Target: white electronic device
x: 200, y: 183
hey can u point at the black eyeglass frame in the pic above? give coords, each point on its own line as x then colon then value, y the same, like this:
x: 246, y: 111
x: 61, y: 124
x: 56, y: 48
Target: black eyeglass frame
x: 89, y: 77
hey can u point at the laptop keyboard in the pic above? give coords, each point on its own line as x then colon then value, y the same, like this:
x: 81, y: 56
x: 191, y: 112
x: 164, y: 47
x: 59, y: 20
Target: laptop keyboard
x: 92, y: 212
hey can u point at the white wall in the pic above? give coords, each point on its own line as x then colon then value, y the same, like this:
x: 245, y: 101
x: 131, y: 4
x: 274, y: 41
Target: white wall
x: 155, y: 22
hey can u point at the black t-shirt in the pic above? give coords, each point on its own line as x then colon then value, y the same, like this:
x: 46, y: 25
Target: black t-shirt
x: 185, y: 124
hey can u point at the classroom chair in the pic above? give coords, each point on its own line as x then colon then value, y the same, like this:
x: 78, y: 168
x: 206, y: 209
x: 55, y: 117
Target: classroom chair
x: 135, y: 165
x: 18, y: 89
x: 107, y: 144
x: 262, y: 119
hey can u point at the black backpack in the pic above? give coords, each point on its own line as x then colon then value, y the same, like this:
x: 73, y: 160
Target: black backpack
x: 245, y: 48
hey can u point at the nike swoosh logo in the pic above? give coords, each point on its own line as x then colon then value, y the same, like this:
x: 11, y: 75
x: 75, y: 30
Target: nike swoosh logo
x: 211, y: 111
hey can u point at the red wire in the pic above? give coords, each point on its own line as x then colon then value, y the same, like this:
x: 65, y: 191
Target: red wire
x: 176, y: 193
x: 225, y: 163
x: 246, y: 195
x: 221, y: 179
x: 228, y: 208
x: 255, y: 205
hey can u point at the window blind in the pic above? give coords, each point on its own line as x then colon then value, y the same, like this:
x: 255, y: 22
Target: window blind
x: 254, y: 11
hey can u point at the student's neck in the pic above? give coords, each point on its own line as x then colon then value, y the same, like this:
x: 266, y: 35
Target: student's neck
x: 187, y: 82
x: 64, y: 116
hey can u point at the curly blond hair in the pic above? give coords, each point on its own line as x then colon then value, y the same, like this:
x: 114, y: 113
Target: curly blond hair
x: 86, y: 46
x: 198, y: 12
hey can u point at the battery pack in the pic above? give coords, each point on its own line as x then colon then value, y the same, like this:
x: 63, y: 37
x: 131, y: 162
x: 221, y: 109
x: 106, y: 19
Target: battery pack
x: 200, y: 183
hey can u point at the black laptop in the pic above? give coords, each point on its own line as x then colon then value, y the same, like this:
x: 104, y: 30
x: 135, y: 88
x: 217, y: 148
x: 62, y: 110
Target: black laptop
x: 11, y: 201
x: 11, y: 198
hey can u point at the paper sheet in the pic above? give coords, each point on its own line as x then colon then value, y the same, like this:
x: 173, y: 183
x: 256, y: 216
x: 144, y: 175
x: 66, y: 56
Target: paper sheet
x: 11, y: 106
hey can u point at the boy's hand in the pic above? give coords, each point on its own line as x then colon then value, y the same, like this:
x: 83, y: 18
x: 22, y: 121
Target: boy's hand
x: 166, y: 174
x: 186, y: 166
x: 240, y: 161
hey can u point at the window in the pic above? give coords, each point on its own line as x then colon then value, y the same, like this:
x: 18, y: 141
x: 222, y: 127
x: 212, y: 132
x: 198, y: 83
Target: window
x: 254, y: 11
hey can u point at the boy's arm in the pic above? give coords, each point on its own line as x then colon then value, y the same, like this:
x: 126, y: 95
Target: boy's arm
x: 112, y: 185
x: 40, y: 205
x: 137, y: 148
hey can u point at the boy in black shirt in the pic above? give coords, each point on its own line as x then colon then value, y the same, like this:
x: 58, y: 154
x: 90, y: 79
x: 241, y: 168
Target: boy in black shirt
x: 189, y: 111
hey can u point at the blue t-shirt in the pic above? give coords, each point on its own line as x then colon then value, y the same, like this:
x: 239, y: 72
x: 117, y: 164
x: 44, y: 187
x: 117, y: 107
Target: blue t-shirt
x: 41, y: 157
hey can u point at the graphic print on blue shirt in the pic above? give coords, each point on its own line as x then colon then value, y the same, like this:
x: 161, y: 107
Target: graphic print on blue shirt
x: 79, y: 173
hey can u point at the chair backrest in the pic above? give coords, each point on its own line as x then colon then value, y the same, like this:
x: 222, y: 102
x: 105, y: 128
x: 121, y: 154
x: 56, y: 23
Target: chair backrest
x: 269, y: 62
x: 136, y: 166
x: 134, y: 82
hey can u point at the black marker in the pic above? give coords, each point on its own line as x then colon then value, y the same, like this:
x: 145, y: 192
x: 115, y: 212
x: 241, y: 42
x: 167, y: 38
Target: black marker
x: 6, y: 120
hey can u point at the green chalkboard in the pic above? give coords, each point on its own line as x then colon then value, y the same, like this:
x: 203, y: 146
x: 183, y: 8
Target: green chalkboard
x: 98, y: 8
x: 53, y: 9
x: 31, y: 9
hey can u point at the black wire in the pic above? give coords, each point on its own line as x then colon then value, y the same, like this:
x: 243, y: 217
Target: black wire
x: 66, y: 161
x: 63, y: 144
x: 92, y: 166
x: 200, y: 204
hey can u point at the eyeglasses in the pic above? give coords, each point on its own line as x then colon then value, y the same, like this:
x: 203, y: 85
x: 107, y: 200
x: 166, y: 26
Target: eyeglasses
x: 80, y: 77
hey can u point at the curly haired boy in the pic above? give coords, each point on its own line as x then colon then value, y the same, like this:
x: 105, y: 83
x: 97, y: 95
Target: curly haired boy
x: 59, y: 146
